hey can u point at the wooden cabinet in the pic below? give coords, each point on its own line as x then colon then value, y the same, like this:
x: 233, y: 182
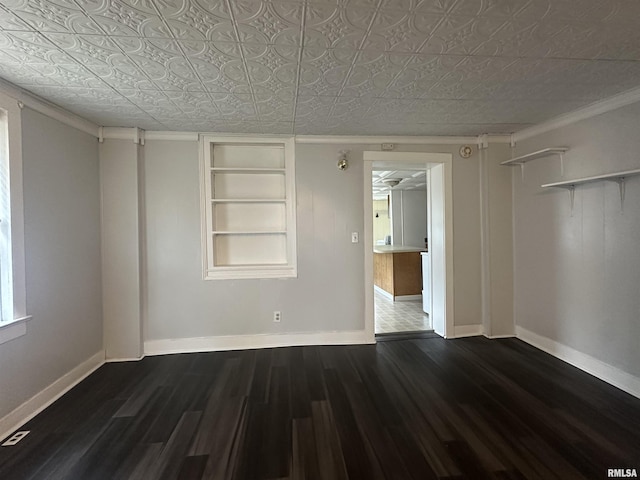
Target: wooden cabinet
x: 398, y: 273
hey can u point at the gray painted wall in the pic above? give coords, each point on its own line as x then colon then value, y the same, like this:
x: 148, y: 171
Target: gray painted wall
x: 577, y: 278
x: 328, y: 294
x: 62, y: 249
x: 409, y: 217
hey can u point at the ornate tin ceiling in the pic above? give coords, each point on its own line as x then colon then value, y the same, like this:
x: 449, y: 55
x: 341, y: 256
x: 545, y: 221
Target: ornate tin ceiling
x: 359, y: 67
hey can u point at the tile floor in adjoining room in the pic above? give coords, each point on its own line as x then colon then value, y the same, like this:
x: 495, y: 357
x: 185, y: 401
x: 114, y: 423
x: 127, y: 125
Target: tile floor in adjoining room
x: 391, y: 317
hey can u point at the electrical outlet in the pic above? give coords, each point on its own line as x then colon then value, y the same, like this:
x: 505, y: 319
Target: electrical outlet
x: 277, y: 316
x: 355, y: 238
x: 15, y: 438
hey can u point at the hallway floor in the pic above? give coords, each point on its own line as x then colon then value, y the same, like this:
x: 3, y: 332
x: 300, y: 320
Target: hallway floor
x: 391, y: 317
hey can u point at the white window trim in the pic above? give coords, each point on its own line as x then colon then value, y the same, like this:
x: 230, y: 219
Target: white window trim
x: 248, y: 272
x: 15, y: 325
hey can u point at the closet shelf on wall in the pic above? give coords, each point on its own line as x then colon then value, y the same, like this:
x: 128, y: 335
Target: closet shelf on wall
x: 545, y: 152
x: 618, y: 177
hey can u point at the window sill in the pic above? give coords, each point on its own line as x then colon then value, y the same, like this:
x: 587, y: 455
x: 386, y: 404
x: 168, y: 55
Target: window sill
x: 13, y: 329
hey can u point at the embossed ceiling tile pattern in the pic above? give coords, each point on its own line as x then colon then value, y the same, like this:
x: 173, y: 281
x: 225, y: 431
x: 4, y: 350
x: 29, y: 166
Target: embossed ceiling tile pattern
x: 311, y: 107
x: 436, y: 7
x: 9, y: 21
x: 278, y: 128
x: 47, y: 16
x: 272, y: 22
x: 420, y: 73
x: 515, y: 39
x: 272, y: 67
x: 88, y: 50
x: 350, y: 107
x: 329, y: 26
x: 239, y: 106
x: 446, y: 90
x: 397, y: 5
x: 373, y: 72
x: 24, y: 75
x: 322, y: 66
x: 219, y: 65
x: 30, y: 47
x: 68, y: 75
x: 478, y: 69
x: 396, y: 30
x: 322, y: 71
x: 128, y: 18
x: 193, y: 22
x: 490, y: 8
x: 459, y: 34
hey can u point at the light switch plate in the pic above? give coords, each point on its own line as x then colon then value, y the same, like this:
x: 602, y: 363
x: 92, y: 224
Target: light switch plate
x: 355, y: 237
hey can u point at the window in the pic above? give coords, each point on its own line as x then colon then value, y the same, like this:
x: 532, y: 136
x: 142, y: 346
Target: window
x: 6, y: 284
x: 248, y: 207
x: 12, y: 274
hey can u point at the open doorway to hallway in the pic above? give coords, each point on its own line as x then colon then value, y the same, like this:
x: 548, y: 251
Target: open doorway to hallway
x: 402, y: 290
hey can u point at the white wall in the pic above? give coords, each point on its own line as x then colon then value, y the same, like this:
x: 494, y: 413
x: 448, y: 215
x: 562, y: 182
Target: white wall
x: 577, y: 277
x: 409, y: 217
x: 62, y: 249
x: 121, y: 192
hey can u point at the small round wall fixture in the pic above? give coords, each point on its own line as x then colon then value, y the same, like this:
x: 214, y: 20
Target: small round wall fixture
x: 343, y: 164
x: 466, y: 151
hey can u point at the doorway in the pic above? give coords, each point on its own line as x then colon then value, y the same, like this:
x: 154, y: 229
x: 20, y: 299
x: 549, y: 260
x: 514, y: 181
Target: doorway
x: 437, y: 168
x: 401, y: 264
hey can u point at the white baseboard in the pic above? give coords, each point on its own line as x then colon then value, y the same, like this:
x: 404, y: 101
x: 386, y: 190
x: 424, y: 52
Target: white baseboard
x: 467, y: 331
x: 408, y: 298
x: 382, y: 292
x: 493, y: 337
x: 249, y: 342
x: 36, y: 404
x: 118, y: 360
x: 608, y: 373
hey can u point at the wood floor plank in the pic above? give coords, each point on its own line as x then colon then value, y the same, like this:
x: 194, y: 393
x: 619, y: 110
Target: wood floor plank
x: 422, y: 408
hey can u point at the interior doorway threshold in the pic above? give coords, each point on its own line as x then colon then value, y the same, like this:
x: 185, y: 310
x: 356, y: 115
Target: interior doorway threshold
x: 386, y: 337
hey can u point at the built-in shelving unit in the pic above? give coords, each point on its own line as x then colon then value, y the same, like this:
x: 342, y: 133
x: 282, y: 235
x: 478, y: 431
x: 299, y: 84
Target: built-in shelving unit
x: 249, y: 218
x: 545, y: 152
x: 618, y: 177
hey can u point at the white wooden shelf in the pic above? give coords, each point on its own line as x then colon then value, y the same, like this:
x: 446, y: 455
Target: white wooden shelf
x: 614, y: 177
x: 618, y: 177
x: 545, y: 152
x: 248, y: 200
x: 248, y: 220
x: 249, y: 232
x: 250, y: 170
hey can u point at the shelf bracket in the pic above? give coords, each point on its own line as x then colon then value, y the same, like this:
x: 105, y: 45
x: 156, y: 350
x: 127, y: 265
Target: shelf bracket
x: 572, y: 196
x: 622, y: 186
x: 522, y: 172
x: 561, y: 165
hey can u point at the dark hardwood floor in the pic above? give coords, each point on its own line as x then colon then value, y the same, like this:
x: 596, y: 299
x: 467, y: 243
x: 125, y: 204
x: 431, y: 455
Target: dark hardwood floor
x: 409, y: 409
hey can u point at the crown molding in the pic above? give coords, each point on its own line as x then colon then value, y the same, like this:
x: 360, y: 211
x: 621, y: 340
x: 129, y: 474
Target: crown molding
x: 597, y: 108
x: 169, y: 135
x: 371, y: 139
x: 27, y: 99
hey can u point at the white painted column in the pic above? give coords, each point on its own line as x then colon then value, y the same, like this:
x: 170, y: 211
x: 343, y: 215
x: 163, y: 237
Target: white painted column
x: 122, y: 236
x: 496, y: 223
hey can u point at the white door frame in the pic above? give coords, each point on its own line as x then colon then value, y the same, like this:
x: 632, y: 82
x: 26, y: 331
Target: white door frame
x: 441, y: 245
